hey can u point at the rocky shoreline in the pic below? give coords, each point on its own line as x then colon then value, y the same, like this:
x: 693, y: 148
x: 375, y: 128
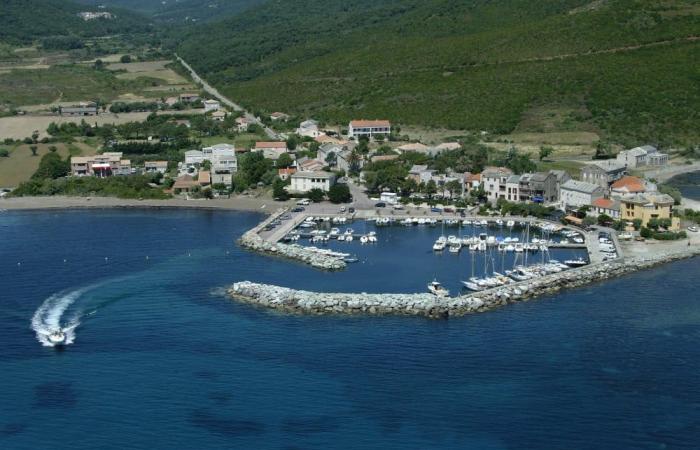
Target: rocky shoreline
x: 424, y: 304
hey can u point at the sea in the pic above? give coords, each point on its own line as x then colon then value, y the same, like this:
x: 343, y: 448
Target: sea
x: 159, y: 357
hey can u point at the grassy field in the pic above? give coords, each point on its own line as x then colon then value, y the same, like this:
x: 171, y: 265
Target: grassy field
x: 21, y: 164
x: 65, y: 83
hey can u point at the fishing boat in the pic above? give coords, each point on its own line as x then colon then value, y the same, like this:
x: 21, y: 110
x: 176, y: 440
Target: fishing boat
x: 437, y: 289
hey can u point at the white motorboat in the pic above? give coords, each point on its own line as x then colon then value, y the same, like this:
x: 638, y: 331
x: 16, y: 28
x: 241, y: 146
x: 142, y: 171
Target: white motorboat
x: 575, y: 262
x: 57, y: 337
x: 437, y: 289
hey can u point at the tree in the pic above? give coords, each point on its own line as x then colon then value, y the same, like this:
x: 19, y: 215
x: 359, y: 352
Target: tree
x: 339, y: 193
x: 316, y: 195
x: 285, y: 160
x: 34, y: 149
x: 278, y: 190
x: 545, y: 151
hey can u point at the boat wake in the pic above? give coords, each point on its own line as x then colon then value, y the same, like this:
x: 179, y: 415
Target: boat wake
x: 56, y: 314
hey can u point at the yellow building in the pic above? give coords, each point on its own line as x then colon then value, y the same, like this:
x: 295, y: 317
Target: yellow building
x: 648, y: 206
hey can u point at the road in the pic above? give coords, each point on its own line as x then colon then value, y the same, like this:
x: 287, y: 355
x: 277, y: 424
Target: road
x: 211, y: 90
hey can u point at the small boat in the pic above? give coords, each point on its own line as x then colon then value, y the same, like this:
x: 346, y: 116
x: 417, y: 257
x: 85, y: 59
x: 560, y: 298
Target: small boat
x: 575, y: 262
x: 57, y: 337
x: 437, y: 289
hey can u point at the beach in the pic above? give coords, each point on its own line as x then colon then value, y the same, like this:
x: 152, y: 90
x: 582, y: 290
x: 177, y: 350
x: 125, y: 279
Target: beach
x: 261, y: 203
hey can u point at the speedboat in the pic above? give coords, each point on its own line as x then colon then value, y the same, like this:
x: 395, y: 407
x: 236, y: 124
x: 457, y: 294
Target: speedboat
x: 437, y: 289
x: 57, y: 337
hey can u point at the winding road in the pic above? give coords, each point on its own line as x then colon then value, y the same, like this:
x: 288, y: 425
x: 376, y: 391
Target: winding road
x: 226, y: 101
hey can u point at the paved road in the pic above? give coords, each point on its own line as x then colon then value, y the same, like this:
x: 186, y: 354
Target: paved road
x: 235, y: 106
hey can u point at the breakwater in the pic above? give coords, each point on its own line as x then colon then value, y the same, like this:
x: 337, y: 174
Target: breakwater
x: 317, y: 258
x: 424, y: 304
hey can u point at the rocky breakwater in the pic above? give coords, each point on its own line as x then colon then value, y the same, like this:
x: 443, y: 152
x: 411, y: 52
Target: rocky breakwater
x: 423, y: 304
x: 314, y: 257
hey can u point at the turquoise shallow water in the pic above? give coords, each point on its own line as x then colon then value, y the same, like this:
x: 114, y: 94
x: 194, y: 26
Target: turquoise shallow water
x: 162, y: 360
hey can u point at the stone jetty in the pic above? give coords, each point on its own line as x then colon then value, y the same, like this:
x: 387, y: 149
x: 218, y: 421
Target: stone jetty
x: 424, y: 304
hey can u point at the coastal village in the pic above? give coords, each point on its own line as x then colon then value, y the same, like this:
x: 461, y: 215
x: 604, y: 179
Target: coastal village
x: 196, y: 149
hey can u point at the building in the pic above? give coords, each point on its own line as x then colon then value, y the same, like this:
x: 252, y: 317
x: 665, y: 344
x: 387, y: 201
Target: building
x: 309, y: 128
x: 219, y: 116
x: 271, y: 150
x: 242, y: 123
x: 284, y: 174
x: 648, y: 206
x: 155, y: 167
x: 189, y: 97
x: 633, y: 158
x: 305, y: 181
x: 494, y: 179
x: 605, y: 206
x: 79, y: 110
x: 368, y: 128
x: 104, y: 165
x: 631, y: 185
x: 603, y: 173
x: 275, y: 116
x: 575, y: 194
x: 211, y: 105
x: 223, y: 165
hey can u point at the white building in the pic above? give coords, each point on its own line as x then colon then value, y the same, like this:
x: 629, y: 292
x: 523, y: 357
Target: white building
x: 309, y: 128
x: 575, y: 194
x: 368, y: 128
x: 211, y: 105
x: 223, y: 165
x: 305, y: 181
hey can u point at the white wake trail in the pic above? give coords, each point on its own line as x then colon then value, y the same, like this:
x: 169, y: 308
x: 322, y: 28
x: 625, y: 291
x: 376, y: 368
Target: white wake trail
x: 48, y: 316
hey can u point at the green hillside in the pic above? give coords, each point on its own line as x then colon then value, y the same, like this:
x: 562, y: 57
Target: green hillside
x: 627, y: 67
x: 24, y: 21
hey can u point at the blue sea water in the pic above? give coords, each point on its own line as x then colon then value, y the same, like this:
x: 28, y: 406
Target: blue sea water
x: 161, y: 359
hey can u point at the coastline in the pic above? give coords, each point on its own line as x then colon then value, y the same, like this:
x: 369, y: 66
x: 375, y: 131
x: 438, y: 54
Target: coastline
x: 261, y: 204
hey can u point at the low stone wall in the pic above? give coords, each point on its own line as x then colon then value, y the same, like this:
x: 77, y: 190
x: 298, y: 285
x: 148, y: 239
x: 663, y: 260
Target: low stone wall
x: 425, y: 304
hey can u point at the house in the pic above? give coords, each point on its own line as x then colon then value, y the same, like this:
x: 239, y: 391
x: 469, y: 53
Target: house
x: 189, y: 97
x: 368, y: 128
x: 633, y: 158
x: 420, y: 173
x: 309, y: 128
x: 104, y: 165
x: 284, y: 174
x: 219, y: 116
x: 305, y: 181
x: 306, y: 164
x: 211, y: 105
x: 155, y: 166
x: 242, y: 123
x: 223, y: 165
x: 271, y: 150
x: 275, y: 116
x: 603, y: 173
x: 415, y: 147
x: 648, y: 206
x: 575, y: 194
x: 185, y: 184
x: 79, y: 110
x: 208, y: 152
x: 493, y: 179
x: 605, y: 206
x: 631, y: 185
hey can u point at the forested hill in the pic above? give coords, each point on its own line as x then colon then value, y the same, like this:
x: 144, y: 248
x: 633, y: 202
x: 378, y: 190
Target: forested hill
x: 627, y: 68
x: 23, y: 21
x: 181, y: 11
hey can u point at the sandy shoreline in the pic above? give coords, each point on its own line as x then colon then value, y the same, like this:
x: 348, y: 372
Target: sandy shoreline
x: 262, y: 204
